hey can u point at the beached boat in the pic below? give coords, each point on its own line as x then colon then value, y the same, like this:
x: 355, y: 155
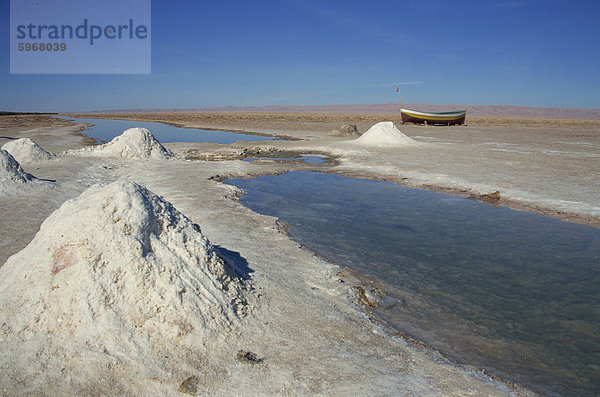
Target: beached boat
x: 444, y: 118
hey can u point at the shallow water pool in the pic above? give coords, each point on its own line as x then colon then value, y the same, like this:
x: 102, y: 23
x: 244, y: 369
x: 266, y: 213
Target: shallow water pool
x: 514, y: 293
x: 105, y: 130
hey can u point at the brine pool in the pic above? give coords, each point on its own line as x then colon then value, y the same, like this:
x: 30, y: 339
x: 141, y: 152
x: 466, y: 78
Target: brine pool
x: 513, y: 293
x: 105, y: 130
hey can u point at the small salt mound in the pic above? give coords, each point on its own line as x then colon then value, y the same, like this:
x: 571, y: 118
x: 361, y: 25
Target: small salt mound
x: 11, y: 171
x: 25, y: 150
x: 115, y: 280
x: 385, y: 134
x: 132, y: 143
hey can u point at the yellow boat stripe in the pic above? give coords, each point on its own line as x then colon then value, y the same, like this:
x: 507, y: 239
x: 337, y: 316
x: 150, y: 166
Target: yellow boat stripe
x: 417, y: 116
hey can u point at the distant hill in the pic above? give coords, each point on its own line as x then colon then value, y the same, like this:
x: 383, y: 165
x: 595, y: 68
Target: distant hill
x: 386, y: 108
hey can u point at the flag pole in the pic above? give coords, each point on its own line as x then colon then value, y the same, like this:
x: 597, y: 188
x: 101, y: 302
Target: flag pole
x: 400, y: 99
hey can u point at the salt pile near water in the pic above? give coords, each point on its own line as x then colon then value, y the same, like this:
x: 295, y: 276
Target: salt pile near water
x: 116, y: 288
x: 385, y: 134
x: 25, y: 150
x: 12, y: 176
x: 132, y: 143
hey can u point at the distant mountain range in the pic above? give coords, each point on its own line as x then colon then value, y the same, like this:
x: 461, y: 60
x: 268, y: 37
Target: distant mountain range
x: 386, y: 108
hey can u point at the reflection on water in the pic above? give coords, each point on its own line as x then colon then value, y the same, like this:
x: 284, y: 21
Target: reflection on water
x: 515, y: 293
x: 105, y: 130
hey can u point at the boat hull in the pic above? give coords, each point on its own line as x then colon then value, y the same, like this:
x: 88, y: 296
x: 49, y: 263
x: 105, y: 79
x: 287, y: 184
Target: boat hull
x: 446, y: 118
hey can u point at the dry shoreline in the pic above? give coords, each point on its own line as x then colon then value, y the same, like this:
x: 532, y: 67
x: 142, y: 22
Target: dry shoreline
x: 317, y: 121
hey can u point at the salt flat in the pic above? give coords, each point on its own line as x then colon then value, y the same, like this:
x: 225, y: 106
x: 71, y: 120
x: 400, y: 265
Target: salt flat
x: 549, y: 166
x: 306, y: 333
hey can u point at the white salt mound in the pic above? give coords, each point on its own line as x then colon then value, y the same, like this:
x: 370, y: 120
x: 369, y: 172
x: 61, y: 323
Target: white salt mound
x: 132, y: 143
x: 11, y: 172
x: 385, y: 134
x: 25, y: 150
x: 117, y: 288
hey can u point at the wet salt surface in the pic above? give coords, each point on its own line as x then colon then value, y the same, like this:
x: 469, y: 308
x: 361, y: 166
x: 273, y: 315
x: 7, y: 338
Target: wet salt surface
x: 514, y: 293
x: 307, y: 159
x: 105, y: 130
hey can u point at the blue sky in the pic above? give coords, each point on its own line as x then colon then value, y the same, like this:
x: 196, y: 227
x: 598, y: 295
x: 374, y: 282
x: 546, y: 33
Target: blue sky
x: 286, y: 52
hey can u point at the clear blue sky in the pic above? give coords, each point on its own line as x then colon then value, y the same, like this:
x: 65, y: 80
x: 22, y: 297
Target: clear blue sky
x: 313, y: 52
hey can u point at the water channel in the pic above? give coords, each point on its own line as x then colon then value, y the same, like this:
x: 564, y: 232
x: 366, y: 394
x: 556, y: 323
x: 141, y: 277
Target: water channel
x: 514, y: 293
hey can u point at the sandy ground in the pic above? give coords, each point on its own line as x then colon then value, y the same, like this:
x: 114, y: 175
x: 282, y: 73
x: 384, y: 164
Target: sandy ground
x: 309, y: 327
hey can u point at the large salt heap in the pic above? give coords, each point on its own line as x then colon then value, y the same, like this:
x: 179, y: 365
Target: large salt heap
x: 117, y: 289
x: 132, y: 143
x: 384, y: 134
x: 25, y: 150
x: 12, y: 176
